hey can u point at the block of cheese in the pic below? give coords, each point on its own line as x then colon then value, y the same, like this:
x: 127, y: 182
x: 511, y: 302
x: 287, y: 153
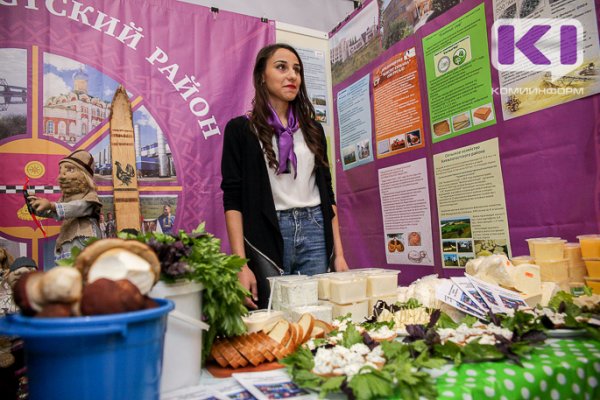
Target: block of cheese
x: 347, y: 287
x: 389, y: 299
x: 533, y: 300
x: 359, y: 310
x: 299, y: 292
x: 323, y: 279
x: 549, y: 289
x: 275, y: 283
x: 322, y: 311
x: 381, y: 282
x: 526, y: 278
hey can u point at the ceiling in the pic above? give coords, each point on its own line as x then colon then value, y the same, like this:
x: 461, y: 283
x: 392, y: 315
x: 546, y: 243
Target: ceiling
x: 321, y: 15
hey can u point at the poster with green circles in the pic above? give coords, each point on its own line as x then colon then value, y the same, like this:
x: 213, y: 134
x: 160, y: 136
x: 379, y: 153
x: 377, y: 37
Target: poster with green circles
x: 459, y: 84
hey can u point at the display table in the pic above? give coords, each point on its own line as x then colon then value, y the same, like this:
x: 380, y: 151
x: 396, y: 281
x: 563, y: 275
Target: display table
x: 560, y: 369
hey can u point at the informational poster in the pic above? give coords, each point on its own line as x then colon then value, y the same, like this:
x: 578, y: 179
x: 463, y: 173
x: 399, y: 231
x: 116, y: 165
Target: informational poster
x: 459, y: 83
x: 471, y: 203
x: 524, y: 92
x: 356, y: 43
x: 405, y: 206
x: 315, y: 80
x: 354, y: 111
x: 397, y: 105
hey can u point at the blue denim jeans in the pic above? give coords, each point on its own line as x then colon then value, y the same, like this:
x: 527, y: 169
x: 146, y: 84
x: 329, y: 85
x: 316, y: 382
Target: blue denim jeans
x: 304, y: 249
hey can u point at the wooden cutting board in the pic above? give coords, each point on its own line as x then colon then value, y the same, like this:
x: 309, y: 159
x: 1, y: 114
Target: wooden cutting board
x: 124, y: 172
x: 219, y: 372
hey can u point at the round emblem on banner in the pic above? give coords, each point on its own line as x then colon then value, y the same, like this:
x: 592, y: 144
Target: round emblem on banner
x: 35, y: 169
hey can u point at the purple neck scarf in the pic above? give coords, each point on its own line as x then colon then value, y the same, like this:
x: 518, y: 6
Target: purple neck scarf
x: 285, y: 142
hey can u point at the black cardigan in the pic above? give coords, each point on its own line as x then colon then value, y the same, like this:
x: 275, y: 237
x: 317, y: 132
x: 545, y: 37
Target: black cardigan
x: 246, y: 188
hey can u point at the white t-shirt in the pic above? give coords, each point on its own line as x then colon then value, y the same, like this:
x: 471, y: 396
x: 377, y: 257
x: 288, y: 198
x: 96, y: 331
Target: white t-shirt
x: 302, y: 191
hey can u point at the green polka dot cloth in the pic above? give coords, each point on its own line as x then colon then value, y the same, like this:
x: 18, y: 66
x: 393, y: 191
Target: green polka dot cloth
x: 561, y: 369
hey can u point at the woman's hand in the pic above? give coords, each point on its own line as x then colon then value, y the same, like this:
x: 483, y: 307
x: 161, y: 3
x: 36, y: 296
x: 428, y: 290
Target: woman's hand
x: 39, y: 204
x: 248, y: 280
x: 340, y: 264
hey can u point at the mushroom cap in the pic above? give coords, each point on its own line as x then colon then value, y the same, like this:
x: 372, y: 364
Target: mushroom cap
x: 120, y: 259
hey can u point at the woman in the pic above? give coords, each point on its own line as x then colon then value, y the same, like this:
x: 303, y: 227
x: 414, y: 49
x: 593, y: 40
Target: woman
x: 279, y: 204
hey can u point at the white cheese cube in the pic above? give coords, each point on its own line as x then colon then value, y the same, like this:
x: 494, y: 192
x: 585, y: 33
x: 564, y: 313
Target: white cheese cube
x: 347, y: 288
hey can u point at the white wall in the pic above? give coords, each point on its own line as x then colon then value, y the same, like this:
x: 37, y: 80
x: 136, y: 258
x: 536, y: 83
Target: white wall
x: 322, y: 15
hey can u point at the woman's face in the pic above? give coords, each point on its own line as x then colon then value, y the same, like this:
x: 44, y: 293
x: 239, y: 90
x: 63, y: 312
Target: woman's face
x: 282, y: 76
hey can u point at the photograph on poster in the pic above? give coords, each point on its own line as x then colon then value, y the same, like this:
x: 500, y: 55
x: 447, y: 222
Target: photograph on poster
x: 398, y: 142
x: 76, y: 98
x: 383, y: 146
x: 461, y: 121
x: 154, y: 159
x: 13, y: 84
x: 158, y: 214
x: 414, y: 239
x: 456, y: 228
x: 355, y: 44
x: 450, y: 260
x: 349, y: 155
x: 482, y: 114
x: 488, y: 247
x: 449, y: 246
x: 441, y: 128
x: 413, y: 138
x: 395, y: 242
x: 465, y: 246
x: 463, y: 259
x: 363, y: 149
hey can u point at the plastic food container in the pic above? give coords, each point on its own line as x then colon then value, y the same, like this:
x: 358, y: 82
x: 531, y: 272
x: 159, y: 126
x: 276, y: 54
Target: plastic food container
x: 577, y: 273
x: 323, y: 280
x: 573, y: 253
x: 359, y: 310
x: 347, y: 287
x: 522, y: 260
x: 590, y: 245
x: 381, y: 282
x: 299, y: 292
x: 594, y: 284
x: 549, y: 249
x: 593, y: 267
x: 275, y: 283
x: 554, y: 270
x: 532, y: 248
x: 389, y: 299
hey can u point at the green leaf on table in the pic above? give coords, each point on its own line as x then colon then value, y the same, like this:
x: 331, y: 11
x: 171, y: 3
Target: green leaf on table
x: 351, y: 336
x: 469, y: 320
x: 370, y: 385
x: 300, y: 359
x: 332, y: 384
x: 476, y: 352
x: 445, y: 322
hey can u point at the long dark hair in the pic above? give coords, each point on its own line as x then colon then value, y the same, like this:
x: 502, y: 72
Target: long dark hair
x: 301, y: 105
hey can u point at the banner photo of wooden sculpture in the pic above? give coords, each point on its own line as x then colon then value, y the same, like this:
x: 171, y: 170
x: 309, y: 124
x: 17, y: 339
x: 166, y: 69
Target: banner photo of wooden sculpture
x: 122, y: 148
x: 78, y: 207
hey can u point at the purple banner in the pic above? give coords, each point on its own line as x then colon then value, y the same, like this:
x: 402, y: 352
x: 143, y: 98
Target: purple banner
x: 187, y: 71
